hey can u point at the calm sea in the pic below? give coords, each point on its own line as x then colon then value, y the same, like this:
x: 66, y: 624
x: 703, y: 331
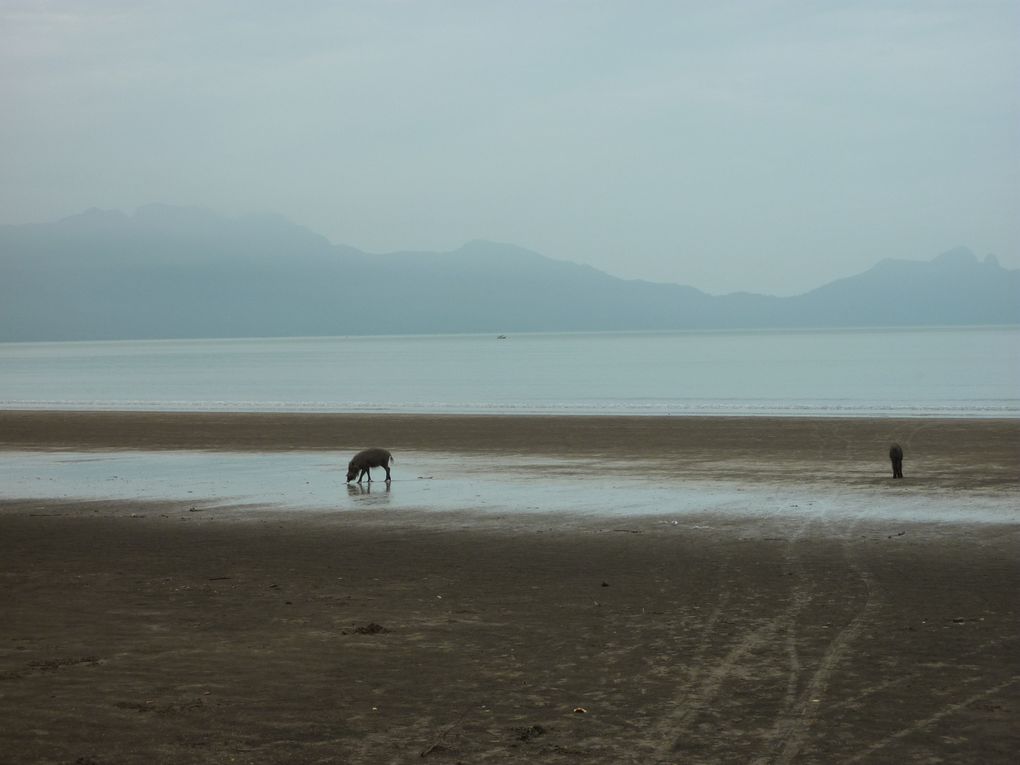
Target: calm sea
x: 972, y: 372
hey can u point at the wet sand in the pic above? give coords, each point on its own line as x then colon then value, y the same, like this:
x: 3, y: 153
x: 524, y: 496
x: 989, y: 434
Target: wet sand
x: 949, y: 453
x: 144, y: 631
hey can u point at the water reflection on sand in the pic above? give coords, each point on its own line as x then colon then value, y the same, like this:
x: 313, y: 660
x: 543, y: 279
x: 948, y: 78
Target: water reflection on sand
x: 371, y: 493
x: 444, y: 482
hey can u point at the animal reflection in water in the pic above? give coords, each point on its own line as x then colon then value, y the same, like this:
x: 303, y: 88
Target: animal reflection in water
x: 362, y: 463
x: 365, y: 489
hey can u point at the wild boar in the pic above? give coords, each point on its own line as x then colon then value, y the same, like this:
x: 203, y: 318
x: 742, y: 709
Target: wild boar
x: 896, y: 456
x: 362, y: 463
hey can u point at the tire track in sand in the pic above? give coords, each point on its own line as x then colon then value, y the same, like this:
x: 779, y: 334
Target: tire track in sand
x: 793, y: 727
x: 793, y: 724
x: 702, y: 687
x: 928, y: 721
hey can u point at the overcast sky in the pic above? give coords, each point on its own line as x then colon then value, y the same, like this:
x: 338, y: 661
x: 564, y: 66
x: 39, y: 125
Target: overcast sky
x: 763, y: 146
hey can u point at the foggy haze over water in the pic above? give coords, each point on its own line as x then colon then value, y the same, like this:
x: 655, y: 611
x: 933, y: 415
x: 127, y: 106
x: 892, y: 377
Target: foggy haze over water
x: 729, y: 146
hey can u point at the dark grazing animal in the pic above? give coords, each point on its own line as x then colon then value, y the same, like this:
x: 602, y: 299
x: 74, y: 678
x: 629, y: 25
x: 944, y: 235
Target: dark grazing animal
x: 362, y: 462
x: 896, y: 455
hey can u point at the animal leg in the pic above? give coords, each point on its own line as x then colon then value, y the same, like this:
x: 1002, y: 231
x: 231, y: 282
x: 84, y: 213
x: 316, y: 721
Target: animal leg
x: 387, y: 467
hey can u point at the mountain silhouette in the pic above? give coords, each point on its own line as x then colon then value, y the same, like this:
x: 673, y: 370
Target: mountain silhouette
x: 184, y: 272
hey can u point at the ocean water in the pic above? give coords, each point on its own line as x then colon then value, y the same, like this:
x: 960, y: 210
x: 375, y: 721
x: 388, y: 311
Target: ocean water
x: 954, y: 372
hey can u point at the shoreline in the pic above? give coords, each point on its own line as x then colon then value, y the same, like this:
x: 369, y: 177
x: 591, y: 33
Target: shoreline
x: 594, y: 413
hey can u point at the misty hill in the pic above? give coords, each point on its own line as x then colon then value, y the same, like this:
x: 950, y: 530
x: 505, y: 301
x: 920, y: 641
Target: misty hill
x: 168, y: 272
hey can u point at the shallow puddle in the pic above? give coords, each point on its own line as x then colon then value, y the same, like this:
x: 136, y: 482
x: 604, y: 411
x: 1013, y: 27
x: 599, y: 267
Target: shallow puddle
x: 452, y: 482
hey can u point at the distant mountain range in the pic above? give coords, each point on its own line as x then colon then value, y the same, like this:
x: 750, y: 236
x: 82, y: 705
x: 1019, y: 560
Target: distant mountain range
x: 177, y: 272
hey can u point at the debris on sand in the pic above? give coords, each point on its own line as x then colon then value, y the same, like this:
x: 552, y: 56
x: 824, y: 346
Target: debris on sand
x: 528, y: 733
x: 580, y: 711
x: 370, y: 629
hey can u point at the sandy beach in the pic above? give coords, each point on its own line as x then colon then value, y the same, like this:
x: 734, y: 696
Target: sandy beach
x: 141, y: 631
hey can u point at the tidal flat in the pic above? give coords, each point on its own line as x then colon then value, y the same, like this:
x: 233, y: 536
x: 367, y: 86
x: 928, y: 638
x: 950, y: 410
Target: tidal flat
x: 206, y: 588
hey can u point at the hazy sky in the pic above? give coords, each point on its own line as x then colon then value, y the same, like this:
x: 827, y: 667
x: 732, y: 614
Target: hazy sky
x: 764, y: 146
